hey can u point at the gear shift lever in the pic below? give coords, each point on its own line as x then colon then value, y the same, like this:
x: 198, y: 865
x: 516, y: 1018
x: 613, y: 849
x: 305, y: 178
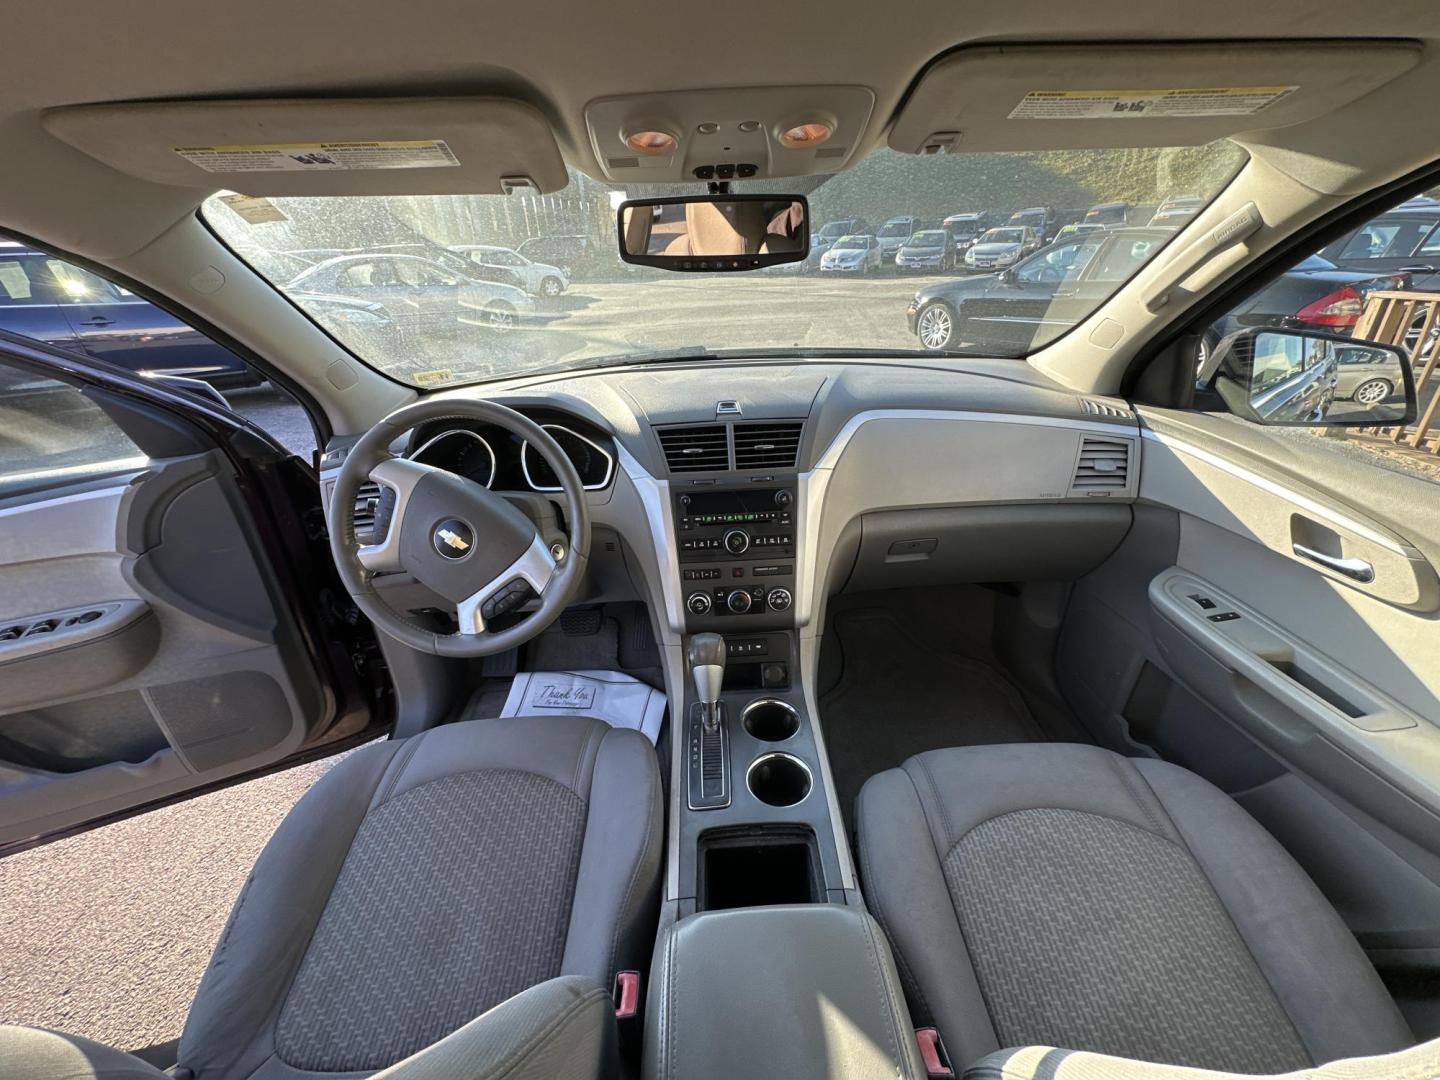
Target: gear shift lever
x: 707, y: 667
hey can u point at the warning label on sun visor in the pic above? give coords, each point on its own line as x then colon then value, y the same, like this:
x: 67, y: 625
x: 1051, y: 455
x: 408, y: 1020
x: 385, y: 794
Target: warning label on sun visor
x: 1129, y: 104
x: 307, y: 157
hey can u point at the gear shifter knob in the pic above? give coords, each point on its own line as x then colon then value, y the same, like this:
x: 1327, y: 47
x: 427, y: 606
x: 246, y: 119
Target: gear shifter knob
x: 706, y: 655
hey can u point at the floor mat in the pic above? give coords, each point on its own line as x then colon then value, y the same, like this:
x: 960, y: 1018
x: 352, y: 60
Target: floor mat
x: 897, y: 697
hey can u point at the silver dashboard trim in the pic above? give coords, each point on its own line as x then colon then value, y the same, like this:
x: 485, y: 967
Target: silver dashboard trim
x: 1310, y: 506
x: 401, y: 475
x: 655, y: 497
x: 494, y: 461
x: 609, y: 460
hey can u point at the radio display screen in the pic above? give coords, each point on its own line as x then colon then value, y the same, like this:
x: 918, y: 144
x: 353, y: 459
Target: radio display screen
x: 729, y: 507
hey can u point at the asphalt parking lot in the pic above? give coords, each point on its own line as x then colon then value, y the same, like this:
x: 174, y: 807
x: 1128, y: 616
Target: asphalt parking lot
x: 106, y: 934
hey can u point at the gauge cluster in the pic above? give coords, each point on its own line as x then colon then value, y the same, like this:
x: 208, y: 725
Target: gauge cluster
x: 502, y: 461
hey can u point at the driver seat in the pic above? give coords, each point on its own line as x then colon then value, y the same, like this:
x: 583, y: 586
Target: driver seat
x: 422, y: 883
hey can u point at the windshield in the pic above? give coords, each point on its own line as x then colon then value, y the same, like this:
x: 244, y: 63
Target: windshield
x: 1004, y: 236
x: 1028, y: 217
x: 834, y: 229
x: 388, y: 276
x: 963, y: 228
x: 928, y: 238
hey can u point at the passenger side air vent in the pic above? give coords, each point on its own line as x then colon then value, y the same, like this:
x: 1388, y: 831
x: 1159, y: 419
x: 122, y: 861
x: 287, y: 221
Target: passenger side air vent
x: 767, y: 445
x: 1095, y: 407
x: 1103, y: 467
x: 695, y: 449
x: 367, y: 499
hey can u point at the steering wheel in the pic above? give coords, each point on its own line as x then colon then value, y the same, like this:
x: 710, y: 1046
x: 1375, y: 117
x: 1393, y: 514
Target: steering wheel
x: 466, y: 543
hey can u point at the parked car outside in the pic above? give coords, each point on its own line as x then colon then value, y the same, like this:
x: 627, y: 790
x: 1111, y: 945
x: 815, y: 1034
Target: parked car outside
x: 852, y: 255
x: 1109, y: 214
x: 893, y: 234
x: 1039, y: 218
x: 1001, y: 309
x: 1002, y: 247
x: 928, y: 249
x: 536, y: 278
x: 416, y: 293
x: 1406, y: 239
x: 48, y: 299
x: 1177, y: 210
x: 965, y: 228
x: 1077, y: 228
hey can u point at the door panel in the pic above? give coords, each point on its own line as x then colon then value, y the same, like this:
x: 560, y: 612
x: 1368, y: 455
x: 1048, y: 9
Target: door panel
x: 1318, y: 708
x: 153, y: 639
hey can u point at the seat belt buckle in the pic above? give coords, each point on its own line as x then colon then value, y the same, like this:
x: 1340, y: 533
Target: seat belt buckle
x: 626, y: 994
x: 932, y: 1053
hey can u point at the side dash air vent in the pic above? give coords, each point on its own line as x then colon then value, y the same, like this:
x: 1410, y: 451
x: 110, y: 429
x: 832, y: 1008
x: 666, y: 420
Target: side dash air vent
x: 695, y: 449
x: 1103, y: 467
x: 367, y: 499
x: 1096, y: 407
x: 768, y: 445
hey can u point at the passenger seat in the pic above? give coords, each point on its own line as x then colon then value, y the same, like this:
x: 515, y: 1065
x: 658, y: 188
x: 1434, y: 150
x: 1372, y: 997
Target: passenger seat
x: 1061, y: 895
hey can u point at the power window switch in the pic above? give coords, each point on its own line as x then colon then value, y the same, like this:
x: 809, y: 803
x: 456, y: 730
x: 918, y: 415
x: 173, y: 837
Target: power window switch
x: 1224, y: 616
x: 1206, y: 604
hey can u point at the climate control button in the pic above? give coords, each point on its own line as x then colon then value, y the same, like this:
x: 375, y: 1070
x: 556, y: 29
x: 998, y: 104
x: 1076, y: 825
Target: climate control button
x: 698, y: 603
x: 739, y: 601
x: 778, y: 599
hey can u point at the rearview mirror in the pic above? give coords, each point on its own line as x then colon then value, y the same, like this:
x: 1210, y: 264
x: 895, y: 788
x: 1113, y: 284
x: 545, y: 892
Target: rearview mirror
x: 715, y: 232
x: 1297, y: 377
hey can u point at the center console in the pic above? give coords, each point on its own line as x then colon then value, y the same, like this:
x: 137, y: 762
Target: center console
x: 736, y: 555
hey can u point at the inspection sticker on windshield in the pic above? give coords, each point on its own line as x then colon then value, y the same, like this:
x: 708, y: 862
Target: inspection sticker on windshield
x: 1130, y: 104
x: 312, y: 157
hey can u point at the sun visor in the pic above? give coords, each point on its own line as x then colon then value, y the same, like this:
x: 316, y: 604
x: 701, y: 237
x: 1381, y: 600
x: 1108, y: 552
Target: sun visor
x: 399, y: 146
x: 1044, y: 97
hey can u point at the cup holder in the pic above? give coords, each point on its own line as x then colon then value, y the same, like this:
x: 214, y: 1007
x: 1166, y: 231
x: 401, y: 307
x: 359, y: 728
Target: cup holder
x: 778, y: 779
x: 770, y: 720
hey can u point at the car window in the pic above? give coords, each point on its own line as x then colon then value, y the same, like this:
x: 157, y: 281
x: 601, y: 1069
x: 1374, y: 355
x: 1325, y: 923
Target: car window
x: 79, y: 286
x: 50, y: 433
x: 1055, y: 263
x: 1395, y: 307
x: 24, y: 281
x: 607, y: 315
x: 1121, y: 256
x: 1393, y: 239
x: 362, y: 275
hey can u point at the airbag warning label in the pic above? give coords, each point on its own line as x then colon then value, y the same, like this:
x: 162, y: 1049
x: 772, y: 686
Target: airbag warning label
x: 1130, y: 104
x: 310, y: 157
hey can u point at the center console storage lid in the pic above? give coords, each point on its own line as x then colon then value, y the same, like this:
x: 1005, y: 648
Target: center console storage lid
x: 800, y: 992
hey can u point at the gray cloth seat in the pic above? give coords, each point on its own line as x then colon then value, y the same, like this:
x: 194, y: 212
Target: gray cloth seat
x: 1065, y: 896
x: 423, y: 882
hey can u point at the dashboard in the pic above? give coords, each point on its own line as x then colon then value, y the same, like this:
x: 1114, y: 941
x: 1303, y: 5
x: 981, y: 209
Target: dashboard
x: 500, y: 460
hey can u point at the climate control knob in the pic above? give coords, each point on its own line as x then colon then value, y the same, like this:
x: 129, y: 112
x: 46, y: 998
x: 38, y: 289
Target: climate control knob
x: 737, y: 541
x: 739, y: 601
x: 698, y: 603
x: 778, y: 599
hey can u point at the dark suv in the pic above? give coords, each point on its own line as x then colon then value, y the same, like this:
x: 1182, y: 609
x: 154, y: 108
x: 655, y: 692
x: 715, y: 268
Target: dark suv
x: 1403, y: 240
x: 54, y: 301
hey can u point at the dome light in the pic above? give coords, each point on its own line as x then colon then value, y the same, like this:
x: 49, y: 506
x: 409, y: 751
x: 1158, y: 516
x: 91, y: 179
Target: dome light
x: 652, y: 143
x: 806, y: 136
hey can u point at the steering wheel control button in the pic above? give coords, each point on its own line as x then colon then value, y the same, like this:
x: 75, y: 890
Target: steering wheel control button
x: 778, y: 599
x: 739, y: 601
x: 506, y: 599
x: 737, y: 541
x: 698, y: 603
x: 453, y: 538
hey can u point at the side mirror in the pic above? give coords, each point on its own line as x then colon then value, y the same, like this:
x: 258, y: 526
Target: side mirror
x: 1302, y: 378
x: 1007, y: 277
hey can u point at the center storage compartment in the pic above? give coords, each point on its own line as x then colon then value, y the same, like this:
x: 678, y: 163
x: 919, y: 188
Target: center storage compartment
x: 757, y: 866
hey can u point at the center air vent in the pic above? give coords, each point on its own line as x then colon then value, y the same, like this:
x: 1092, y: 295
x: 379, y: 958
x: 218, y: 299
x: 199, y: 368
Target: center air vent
x: 767, y: 445
x: 695, y: 449
x: 1103, y: 467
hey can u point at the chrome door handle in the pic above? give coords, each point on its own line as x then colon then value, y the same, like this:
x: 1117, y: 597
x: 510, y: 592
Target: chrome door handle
x: 1355, y: 569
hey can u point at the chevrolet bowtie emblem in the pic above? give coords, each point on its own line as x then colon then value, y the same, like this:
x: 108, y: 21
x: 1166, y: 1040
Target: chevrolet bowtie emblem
x: 455, y: 541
